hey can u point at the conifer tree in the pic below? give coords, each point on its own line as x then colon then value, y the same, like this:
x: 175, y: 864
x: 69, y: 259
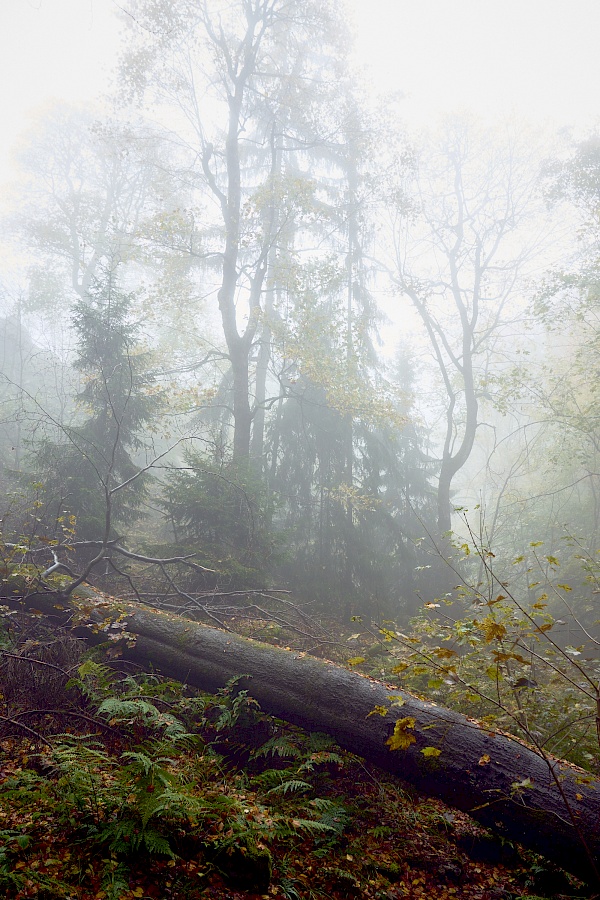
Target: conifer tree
x: 89, y: 468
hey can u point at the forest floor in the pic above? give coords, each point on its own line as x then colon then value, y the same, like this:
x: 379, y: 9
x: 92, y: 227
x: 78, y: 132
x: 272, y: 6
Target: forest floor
x: 101, y: 798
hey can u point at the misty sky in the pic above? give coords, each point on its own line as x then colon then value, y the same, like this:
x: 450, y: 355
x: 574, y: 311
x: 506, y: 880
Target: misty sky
x: 537, y: 58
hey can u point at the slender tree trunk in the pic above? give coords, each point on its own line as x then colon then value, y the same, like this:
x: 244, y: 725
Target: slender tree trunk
x: 264, y: 348
x: 242, y: 413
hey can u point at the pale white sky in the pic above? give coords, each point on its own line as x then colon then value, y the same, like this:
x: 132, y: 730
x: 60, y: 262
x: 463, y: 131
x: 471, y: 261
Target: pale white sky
x: 536, y: 58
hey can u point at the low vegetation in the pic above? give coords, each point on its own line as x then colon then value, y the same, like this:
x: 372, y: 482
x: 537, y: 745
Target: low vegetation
x: 121, y: 784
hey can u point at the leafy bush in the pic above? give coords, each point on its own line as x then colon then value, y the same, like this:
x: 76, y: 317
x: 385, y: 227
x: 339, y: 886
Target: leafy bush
x: 498, y: 649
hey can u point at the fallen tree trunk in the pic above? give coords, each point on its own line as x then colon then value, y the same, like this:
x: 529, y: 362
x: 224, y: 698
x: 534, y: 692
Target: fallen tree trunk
x: 547, y: 805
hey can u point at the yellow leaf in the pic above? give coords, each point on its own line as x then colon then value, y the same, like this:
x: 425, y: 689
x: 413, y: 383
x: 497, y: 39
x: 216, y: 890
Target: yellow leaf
x: 484, y: 760
x: 396, y: 699
x: 378, y: 711
x: 564, y: 587
x: 493, y: 631
x: 579, y: 796
x: 401, y: 667
x: 444, y: 652
x: 138, y: 892
x: 356, y: 660
x: 431, y: 751
x: 401, y: 739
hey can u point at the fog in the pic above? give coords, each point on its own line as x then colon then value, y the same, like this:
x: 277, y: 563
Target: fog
x: 299, y: 448
x: 349, y: 272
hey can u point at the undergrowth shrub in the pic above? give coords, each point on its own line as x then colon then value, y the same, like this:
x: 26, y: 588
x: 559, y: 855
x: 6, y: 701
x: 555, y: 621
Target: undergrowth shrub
x: 153, y: 782
x: 36, y: 667
x: 506, y: 650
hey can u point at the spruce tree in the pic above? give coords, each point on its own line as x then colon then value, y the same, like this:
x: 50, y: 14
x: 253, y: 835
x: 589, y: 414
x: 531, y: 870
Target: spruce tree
x: 90, y: 470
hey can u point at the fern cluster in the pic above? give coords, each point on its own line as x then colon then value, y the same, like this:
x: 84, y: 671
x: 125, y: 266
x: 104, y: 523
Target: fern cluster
x: 155, y: 782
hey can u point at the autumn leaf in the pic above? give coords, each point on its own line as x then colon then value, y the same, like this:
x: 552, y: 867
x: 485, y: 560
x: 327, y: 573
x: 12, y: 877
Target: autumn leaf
x: 484, y: 760
x: 503, y: 657
x: 444, y: 652
x: 401, y: 667
x: 431, y: 752
x: 378, y: 711
x: 493, y: 631
x: 396, y: 699
x: 401, y: 739
x: 356, y: 660
x: 388, y: 635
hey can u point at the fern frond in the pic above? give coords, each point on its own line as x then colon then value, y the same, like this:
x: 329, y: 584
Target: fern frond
x: 94, y: 680
x: 311, y: 826
x: 292, y: 786
x: 318, y: 742
x: 155, y: 842
x: 120, y: 709
x: 279, y: 746
x: 320, y: 757
x: 336, y: 818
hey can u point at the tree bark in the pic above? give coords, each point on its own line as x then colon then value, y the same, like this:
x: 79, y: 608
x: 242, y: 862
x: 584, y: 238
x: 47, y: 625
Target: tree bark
x: 556, y: 813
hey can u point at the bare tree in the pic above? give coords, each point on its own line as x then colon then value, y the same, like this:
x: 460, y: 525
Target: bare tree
x: 459, y: 260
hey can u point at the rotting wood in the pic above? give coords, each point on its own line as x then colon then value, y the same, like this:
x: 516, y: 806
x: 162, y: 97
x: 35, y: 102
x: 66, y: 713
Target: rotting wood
x: 498, y: 780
